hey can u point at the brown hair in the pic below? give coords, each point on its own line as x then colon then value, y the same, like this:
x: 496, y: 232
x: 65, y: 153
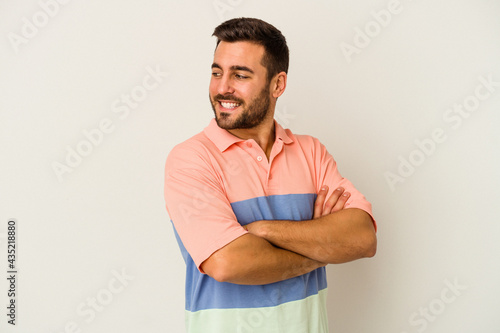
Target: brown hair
x: 276, y: 57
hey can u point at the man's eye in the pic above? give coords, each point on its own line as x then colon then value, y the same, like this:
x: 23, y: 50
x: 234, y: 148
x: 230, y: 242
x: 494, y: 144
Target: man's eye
x: 239, y: 76
x: 216, y: 74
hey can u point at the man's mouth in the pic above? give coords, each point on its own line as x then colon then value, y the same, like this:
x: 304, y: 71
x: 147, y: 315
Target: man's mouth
x: 229, y: 105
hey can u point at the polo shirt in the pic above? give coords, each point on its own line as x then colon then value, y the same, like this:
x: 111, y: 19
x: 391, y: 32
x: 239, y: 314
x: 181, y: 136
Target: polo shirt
x: 215, y: 183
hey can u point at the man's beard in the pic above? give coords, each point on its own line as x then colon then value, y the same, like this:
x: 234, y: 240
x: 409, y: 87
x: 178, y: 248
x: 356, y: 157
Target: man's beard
x: 251, y: 115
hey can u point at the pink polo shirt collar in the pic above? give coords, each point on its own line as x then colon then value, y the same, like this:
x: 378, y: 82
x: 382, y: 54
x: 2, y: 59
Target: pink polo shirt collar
x: 223, y: 139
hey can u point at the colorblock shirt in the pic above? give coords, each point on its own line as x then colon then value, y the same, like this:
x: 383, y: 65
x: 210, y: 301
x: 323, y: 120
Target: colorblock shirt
x: 215, y: 183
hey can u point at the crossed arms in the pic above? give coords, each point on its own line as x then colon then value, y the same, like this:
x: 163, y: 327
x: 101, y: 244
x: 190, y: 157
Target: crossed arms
x: 277, y: 250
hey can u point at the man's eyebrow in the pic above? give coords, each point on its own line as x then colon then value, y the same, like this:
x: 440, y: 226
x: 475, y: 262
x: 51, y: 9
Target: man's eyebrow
x: 241, y: 68
x: 234, y: 68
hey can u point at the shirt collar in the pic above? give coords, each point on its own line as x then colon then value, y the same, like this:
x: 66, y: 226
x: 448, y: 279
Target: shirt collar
x: 223, y: 139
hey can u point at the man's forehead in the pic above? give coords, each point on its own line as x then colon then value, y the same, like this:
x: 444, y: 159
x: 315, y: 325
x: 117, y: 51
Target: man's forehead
x: 245, y: 54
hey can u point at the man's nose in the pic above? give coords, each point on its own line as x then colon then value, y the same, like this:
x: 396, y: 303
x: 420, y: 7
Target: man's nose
x: 225, y: 86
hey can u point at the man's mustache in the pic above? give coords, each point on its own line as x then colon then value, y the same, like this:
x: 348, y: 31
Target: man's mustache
x: 231, y: 98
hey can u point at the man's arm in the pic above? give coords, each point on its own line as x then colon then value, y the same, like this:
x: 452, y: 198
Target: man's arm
x: 252, y: 260
x: 334, y: 235
x: 207, y: 226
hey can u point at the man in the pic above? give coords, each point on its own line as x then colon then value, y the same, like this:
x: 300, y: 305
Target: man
x: 259, y: 212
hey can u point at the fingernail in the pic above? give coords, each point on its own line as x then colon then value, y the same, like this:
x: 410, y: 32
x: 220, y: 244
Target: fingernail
x: 340, y: 189
x: 346, y: 194
x: 324, y: 188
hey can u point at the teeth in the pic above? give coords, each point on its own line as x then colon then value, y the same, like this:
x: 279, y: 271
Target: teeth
x: 227, y: 105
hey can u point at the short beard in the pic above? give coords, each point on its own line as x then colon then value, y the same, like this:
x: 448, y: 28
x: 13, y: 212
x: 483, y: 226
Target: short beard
x: 250, y: 117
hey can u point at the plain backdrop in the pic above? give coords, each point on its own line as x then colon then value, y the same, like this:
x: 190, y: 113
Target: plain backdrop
x: 94, y: 94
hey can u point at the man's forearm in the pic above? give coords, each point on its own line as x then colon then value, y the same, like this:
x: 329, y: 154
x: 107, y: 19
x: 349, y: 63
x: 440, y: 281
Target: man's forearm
x: 252, y: 260
x: 339, y: 237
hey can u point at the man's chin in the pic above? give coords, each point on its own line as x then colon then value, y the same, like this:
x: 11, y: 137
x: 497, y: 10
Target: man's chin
x: 224, y: 122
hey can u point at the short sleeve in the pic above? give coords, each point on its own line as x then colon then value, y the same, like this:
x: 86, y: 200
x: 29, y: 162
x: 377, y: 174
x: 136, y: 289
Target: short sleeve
x: 328, y: 174
x: 197, y: 205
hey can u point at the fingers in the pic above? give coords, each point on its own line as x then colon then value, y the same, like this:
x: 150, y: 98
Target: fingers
x: 336, y: 201
x: 320, y: 200
x: 341, y: 201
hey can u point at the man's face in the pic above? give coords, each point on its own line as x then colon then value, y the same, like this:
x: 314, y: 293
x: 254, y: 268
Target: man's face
x: 239, y: 90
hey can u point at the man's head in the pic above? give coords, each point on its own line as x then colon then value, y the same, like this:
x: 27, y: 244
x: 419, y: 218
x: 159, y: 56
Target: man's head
x: 276, y: 56
x: 248, y: 73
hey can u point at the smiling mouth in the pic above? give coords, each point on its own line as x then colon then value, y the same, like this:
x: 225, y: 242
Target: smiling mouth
x: 229, y: 105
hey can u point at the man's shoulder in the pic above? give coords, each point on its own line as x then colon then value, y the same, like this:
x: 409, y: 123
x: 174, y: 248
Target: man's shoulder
x: 303, y: 139
x: 196, y: 143
x: 197, y: 147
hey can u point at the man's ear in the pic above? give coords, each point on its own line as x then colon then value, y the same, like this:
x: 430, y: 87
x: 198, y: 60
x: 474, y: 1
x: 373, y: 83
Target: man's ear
x: 278, y: 84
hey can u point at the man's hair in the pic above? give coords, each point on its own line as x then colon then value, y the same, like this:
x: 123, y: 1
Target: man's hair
x: 276, y: 56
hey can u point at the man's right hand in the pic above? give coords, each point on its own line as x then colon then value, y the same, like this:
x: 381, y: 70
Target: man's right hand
x: 335, y: 202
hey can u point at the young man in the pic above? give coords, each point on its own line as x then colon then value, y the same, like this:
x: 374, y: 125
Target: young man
x: 259, y: 212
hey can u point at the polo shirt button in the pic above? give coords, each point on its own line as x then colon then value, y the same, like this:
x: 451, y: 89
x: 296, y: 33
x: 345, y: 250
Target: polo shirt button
x: 259, y: 158
x: 249, y: 144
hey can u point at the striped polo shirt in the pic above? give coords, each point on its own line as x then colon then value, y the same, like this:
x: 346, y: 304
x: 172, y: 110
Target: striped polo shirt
x: 215, y: 183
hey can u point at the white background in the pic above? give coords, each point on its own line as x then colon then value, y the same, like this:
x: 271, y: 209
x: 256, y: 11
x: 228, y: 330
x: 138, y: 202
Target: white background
x: 438, y: 263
